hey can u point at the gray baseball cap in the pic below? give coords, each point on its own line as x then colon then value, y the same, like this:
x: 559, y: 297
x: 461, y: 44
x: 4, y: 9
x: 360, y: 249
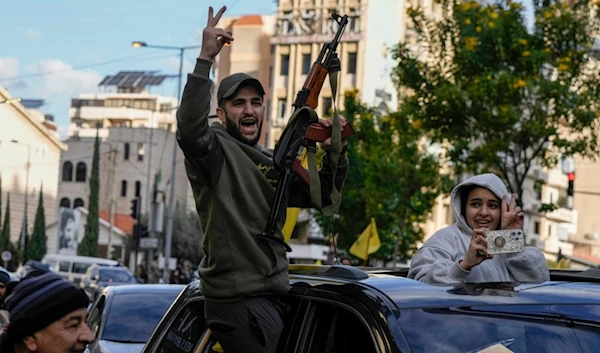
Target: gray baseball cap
x: 232, y: 83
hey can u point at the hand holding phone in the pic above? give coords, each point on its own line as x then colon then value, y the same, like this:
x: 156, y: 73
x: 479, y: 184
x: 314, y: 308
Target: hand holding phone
x: 505, y: 241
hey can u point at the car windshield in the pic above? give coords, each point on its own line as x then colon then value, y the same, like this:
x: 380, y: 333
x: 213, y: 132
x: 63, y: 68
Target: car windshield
x: 132, y: 317
x: 119, y: 276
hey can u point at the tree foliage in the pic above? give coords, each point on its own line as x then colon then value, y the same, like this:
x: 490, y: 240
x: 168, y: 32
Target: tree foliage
x: 504, y: 98
x: 36, y: 247
x: 393, y: 176
x: 89, y: 244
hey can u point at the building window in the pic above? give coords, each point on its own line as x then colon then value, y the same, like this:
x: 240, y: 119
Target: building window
x: 327, y: 104
x: 138, y: 188
x: 80, y: 172
x: 67, y: 171
x: 65, y: 202
x: 78, y: 203
x: 123, y: 188
x: 352, y: 63
x: 281, y: 108
x: 165, y: 107
x: 140, y: 152
x: 536, y: 228
x: 306, y: 61
x: 285, y: 65
x: 126, y: 152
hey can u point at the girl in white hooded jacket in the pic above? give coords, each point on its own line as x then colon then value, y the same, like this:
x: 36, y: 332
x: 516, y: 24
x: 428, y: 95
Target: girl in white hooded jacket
x: 458, y: 253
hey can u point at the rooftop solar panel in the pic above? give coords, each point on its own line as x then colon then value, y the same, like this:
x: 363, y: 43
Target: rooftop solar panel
x: 134, y: 79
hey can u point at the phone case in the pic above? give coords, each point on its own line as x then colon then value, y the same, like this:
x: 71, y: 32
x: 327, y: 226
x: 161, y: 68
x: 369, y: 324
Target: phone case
x: 506, y: 241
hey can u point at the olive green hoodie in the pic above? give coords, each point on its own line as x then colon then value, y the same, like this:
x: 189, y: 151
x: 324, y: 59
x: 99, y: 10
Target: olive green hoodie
x: 234, y: 185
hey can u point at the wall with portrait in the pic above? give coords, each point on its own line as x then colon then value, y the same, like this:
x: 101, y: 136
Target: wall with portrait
x: 68, y: 231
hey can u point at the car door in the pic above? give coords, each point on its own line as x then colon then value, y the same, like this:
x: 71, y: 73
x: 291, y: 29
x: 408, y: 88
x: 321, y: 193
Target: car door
x: 520, y: 328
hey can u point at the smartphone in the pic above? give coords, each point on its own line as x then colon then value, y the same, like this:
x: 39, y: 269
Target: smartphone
x: 506, y: 241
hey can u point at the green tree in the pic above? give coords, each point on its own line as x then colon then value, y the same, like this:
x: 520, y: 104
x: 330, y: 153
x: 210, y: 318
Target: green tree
x: 503, y: 98
x: 36, y: 247
x: 393, y: 177
x: 89, y: 244
x: 187, y: 235
x: 5, y: 238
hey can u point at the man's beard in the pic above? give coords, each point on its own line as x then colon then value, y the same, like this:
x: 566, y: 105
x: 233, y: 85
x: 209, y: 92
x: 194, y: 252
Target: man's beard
x: 234, y: 130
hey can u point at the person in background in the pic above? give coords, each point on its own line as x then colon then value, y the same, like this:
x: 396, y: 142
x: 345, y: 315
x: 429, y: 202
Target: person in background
x: 141, y: 272
x: 458, y: 253
x: 47, y: 315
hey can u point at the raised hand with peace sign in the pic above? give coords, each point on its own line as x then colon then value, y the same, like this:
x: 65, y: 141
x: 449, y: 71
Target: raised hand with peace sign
x: 512, y: 215
x: 214, y: 38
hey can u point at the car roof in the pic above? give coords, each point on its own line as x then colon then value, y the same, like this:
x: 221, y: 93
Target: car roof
x: 145, y: 288
x: 565, y: 287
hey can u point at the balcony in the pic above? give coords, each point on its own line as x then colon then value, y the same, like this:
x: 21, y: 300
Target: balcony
x: 563, y: 215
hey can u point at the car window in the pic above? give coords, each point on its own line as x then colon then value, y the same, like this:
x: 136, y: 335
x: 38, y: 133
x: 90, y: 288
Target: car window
x: 64, y: 266
x: 79, y: 267
x: 144, y: 309
x: 293, y: 320
x: 118, y: 276
x: 332, y: 328
x: 95, y: 315
x: 184, y: 332
x: 469, y: 330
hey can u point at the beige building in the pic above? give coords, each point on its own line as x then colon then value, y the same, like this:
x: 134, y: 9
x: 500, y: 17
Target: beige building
x: 124, y: 164
x: 303, y: 26
x: 29, y: 161
x: 249, y: 53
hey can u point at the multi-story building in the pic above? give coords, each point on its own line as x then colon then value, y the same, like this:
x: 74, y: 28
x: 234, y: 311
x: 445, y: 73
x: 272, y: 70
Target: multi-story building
x: 303, y: 26
x: 137, y: 137
x: 250, y: 53
x: 125, y: 101
x: 29, y: 162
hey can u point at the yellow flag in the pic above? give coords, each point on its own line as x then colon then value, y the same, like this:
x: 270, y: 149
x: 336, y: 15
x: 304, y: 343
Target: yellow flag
x: 292, y: 212
x: 367, y: 243
x: 290, y: 222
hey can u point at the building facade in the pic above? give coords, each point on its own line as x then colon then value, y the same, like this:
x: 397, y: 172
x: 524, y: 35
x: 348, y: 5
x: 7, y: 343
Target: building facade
x: 125, y: 101
x: 249, y: 53
x: 303, y: 26
x: 29, y: 162
x: 127, y: 170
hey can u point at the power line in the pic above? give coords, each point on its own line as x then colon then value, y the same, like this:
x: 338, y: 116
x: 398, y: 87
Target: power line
x: 142, y: 57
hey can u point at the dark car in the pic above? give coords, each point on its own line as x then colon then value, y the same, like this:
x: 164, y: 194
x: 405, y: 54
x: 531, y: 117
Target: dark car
x: 347, y: 309
x: 123, y: 318
x: 97, y: 278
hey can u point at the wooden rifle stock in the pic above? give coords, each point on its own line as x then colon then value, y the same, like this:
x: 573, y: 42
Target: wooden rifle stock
x: 318, y: 133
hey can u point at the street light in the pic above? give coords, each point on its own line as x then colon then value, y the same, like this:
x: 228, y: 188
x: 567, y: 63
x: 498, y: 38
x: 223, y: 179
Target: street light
x: 170, y: 213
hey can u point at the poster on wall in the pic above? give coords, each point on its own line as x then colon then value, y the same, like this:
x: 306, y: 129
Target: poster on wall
x: 68, y: 231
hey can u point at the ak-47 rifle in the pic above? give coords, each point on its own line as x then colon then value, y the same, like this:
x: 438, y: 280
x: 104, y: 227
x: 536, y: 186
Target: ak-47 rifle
x: 303, y: 131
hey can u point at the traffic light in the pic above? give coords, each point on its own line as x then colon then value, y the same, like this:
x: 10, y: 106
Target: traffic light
x: 135, y: 208
x: 570, y: 187
x: 140, y: 231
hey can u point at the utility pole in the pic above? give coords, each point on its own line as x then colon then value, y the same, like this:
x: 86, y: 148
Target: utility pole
x: 111, y: 202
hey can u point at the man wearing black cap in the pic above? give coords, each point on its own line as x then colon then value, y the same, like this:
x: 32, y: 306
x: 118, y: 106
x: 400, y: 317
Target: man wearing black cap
x: 234, y: 182
x: 47, y: 315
